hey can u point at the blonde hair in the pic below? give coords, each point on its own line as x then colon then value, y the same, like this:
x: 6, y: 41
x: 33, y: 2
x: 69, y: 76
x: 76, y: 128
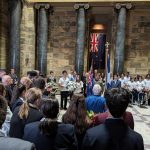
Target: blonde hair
x: 31, y: 97
x: 25, y: 80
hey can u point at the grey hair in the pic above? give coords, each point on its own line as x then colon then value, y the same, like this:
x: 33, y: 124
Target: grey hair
x: 97, y: 89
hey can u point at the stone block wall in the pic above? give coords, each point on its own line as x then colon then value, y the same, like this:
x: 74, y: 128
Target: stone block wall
x: 27, y: 40
x: 3, y: 33
x: 62, y: 40
x: 137, y: 48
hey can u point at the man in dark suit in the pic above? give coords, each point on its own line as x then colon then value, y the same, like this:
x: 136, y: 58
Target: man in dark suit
x: 7, y: 143
x: 114, y: 134
x: 8, y: 82
x: 115, y: 83
x: 13, y: 75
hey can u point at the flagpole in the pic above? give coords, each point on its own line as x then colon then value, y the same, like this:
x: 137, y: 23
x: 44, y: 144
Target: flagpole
x: 106, y: 58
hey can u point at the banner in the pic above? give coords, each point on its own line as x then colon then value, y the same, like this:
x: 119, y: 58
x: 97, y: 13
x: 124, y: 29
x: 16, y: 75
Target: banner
x: 97, y: 50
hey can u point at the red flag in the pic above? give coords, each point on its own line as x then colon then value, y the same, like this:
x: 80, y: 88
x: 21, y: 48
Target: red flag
x: 94, y: 42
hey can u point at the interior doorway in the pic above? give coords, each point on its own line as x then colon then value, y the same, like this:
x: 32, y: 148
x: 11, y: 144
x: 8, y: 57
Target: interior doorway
x: 99, y: 33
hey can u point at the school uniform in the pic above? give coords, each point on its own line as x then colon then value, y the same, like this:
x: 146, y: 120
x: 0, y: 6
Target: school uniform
x: 64, y: 92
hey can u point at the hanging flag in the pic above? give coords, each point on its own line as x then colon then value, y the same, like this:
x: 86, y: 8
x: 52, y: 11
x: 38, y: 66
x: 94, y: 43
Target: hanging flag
x: 101, y: 50
x: 94, y: 42
x: 108, y: 84
x: 90, y: 83
x: 97, y: 50
x: 90, y: 79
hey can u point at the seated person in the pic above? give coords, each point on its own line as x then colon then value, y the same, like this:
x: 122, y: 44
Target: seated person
x: 7, y: 143
x: 96, y: 102
x: 49, y: 134
x: 114, y: 134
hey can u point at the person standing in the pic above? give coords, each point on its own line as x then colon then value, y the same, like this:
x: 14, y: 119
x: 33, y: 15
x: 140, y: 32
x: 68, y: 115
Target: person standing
x: 76, y: 115
x: 127, y: 77
x: 98, y: 80
x: 122, y: 80
x: 115, y: 83
x: 79, y: 85
x: 140, y: 90
x: 7, y: 143
x: 114, y: 134
x: 51, y: 78
x: 96, y: 102
x: 28, y: 112
x: 18, y: 96
x: 7, y: 82
x: 63, y: 81
x: 147, y: 87
x: 49, y: 134
x: 13, y: 76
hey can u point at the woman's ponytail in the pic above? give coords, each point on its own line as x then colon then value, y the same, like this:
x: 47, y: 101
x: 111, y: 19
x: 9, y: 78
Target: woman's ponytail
x: 31, y: 97
x: 50, y: 109
x: 24, y: 111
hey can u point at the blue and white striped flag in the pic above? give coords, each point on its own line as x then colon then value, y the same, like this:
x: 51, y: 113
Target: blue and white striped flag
x: 108, y: 84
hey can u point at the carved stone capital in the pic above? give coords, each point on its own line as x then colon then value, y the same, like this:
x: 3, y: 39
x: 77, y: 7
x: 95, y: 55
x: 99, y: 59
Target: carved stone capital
x: 78, y: 6
x: 42, y: 5
x: 121, y: 5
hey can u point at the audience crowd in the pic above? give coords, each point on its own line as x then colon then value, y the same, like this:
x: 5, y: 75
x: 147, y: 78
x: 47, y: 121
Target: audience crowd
x: 95, y: 118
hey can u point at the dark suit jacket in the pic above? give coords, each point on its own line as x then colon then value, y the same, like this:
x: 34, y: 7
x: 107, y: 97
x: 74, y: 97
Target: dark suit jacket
x: 7, y: 143
x: 64, y: 139
x: 116, y: 84
x: 17, y: 125
x: 16, y: 103
x: 114, y: 134
x: 8, y: 96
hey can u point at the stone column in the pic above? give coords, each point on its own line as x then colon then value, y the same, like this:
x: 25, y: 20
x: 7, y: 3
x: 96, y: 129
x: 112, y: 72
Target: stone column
x: 120, y: 39
x: 27, y: 39
x: 14, y: 37
x: 80, y: 41
x: 42, y: 37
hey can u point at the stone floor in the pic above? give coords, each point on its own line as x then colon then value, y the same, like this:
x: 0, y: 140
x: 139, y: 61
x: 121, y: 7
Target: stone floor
x: 141, y: 122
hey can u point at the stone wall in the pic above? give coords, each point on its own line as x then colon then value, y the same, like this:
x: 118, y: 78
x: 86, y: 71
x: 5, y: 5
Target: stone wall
x: 27, y: 40
x: 3, y: 33
x: 62, y: 39
x: 137, y: 49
